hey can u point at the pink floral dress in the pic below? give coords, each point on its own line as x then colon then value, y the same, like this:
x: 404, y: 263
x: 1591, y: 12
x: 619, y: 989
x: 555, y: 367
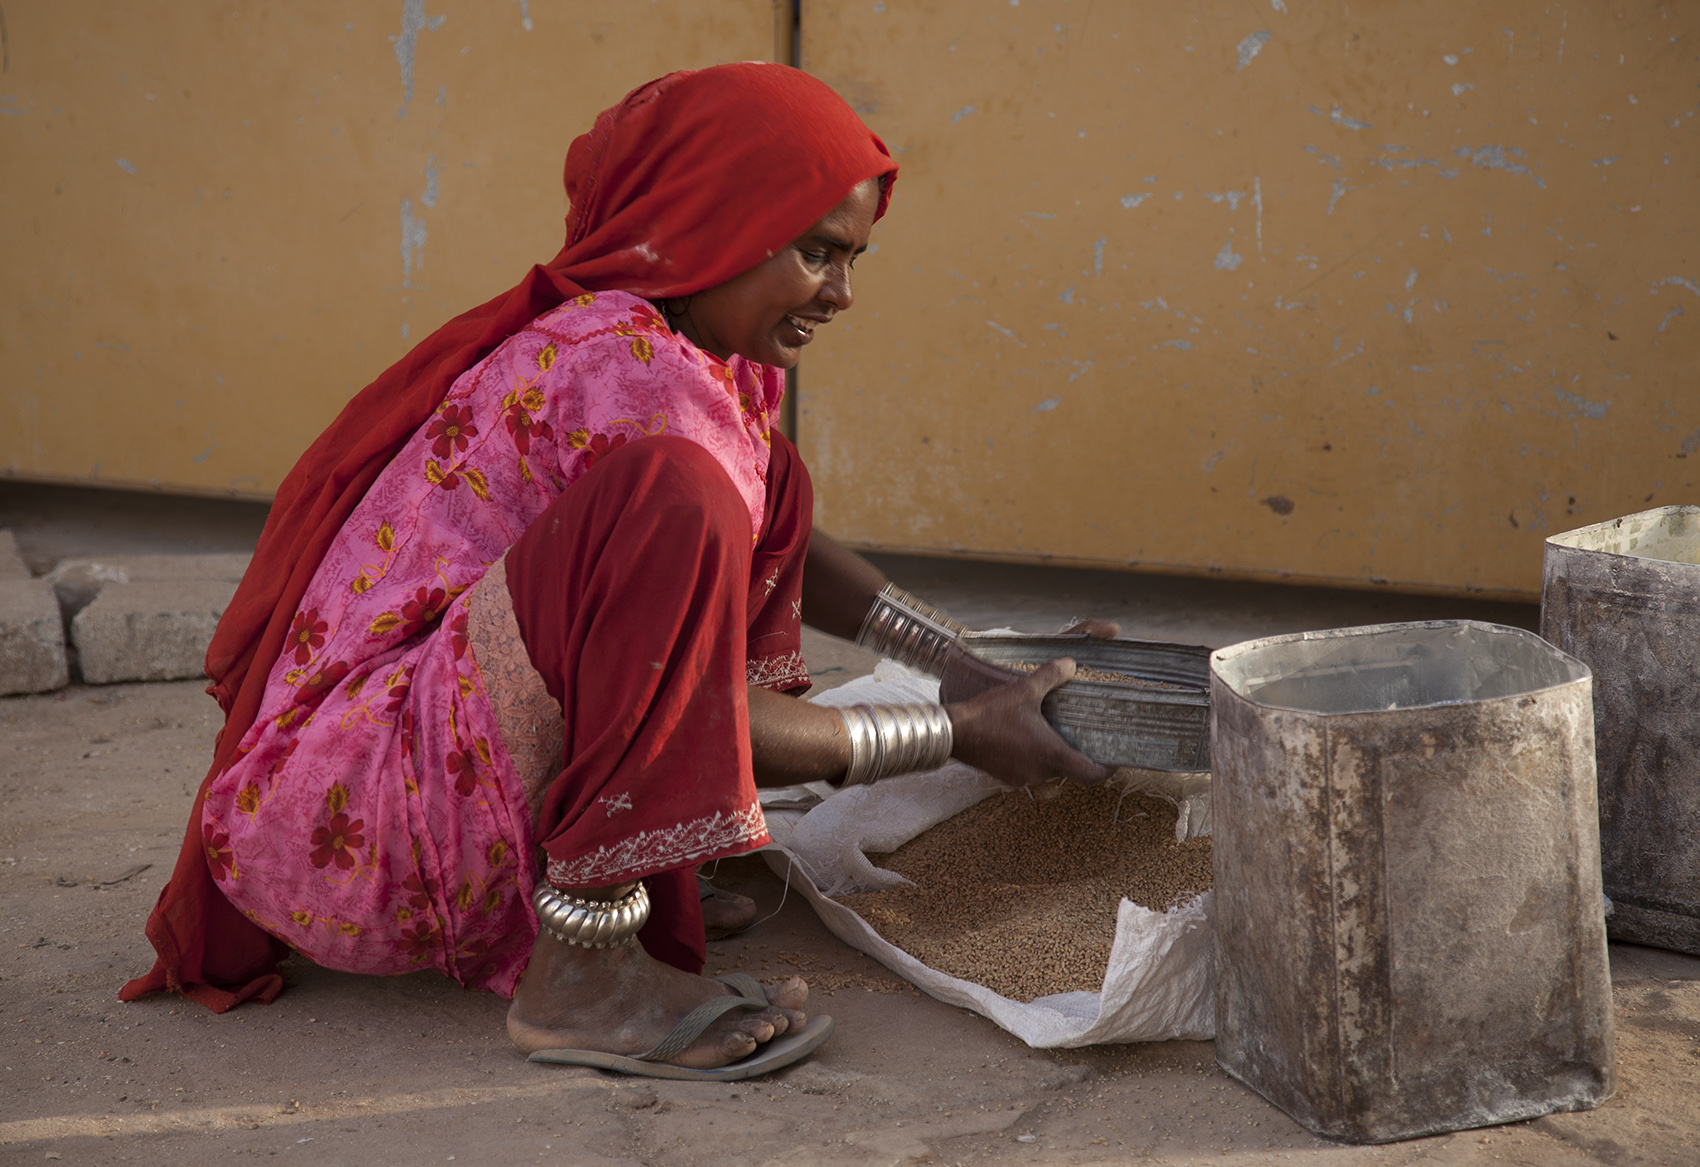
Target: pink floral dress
x: 373, y: 819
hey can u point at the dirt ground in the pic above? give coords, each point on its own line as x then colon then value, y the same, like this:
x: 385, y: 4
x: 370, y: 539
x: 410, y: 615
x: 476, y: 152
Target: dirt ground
x: 95, y: 784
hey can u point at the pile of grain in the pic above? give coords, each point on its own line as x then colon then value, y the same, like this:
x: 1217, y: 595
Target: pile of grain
x: 1020, y: 894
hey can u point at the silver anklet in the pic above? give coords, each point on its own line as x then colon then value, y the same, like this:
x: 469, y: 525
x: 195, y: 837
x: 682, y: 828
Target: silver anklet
x: 894, y: 739
x: 906, y: 629
x: 591, y: 923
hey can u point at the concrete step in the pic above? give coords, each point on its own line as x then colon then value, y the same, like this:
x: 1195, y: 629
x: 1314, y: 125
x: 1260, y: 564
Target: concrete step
x: 12, y: 565
x: 32, y: 638
x: 32, y: 635
x: 154, y: 630
x: 78, y: 581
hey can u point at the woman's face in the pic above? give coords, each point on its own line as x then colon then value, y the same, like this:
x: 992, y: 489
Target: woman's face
x: 770, y: 312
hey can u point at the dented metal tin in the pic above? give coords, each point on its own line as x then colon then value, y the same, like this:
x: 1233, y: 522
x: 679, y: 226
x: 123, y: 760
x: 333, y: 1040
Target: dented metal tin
x: 1410, y: 932
x: 1161, y: 727
x: 1624, y: 597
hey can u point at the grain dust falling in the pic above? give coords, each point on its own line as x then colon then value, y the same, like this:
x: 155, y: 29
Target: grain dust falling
x: 1020, y: 894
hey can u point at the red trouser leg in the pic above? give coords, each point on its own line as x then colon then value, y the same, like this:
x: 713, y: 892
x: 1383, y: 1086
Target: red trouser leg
x: 630, y: 592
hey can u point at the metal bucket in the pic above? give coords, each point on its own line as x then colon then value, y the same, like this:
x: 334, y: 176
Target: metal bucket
x: 1624, y: 597
x: 1409, y: 928
x: 1164, y: 726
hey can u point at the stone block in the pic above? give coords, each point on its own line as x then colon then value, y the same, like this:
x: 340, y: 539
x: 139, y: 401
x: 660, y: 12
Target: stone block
x: 79, y: 581
x: 12, y: 565
x: 149, y: 631
x: 32, y: 637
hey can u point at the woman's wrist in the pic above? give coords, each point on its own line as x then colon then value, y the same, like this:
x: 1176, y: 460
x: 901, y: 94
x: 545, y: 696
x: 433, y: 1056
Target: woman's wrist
x: 887, y: 740
x: 907, y: 629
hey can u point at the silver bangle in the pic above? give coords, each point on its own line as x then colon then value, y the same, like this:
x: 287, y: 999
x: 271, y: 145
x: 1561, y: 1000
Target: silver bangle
x: 591, y: 923
x: 894, y: 739
x: 906, y: 629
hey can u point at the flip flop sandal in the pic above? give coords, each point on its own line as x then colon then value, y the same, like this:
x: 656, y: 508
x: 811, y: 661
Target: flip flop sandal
x: 747, y: 994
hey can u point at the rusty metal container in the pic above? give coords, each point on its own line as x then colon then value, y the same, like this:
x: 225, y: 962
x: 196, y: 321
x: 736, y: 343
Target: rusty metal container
x: 1624, y: 597
x: 1409, y: 927
x: 1159, y: 723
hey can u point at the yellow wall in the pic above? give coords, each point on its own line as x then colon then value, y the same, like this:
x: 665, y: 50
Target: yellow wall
x: 1342, y: 292
x: 221, y: 220
x: 1356, y: 327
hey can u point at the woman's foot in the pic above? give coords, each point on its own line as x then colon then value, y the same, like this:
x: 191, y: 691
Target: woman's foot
x: 622, y: 1000
x: 724, y: 913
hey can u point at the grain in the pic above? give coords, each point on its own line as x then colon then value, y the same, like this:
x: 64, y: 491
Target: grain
x: 825, y: 975
x: 1020, y: 894
x: 1088, y: 673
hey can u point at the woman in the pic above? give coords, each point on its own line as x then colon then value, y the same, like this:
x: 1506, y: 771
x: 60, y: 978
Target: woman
x: 539, y: 588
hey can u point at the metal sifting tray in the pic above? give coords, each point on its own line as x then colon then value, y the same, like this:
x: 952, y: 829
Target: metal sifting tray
x: 1119, y: 724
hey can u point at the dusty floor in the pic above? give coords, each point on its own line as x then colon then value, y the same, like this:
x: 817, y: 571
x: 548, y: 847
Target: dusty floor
x: 95, y: 783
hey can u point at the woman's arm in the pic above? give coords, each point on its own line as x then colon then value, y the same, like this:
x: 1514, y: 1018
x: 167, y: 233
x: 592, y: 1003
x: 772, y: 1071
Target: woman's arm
x: 1000, y: 731
x: 792, y: 741
x: 839, y: 586
x: 996, y: 727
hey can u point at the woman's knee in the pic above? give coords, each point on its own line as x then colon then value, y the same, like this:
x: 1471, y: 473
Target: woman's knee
x: 683, y: 481
x: 656, y: 490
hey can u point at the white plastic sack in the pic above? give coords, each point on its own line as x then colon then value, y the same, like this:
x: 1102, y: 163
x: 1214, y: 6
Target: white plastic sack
x: 1160, y: 980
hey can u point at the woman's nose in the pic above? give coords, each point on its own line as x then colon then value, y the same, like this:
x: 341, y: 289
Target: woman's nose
x: 836, y: 291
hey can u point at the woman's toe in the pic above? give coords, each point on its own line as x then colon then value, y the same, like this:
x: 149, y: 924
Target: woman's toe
x: 790, y: 993
x: 738, y: 1045
x: 794, y: 1019
x: 777, y: 1019
x: 758, y: 1027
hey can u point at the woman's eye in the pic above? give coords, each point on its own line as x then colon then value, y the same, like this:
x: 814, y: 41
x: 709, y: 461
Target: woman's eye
x: 816, y: 258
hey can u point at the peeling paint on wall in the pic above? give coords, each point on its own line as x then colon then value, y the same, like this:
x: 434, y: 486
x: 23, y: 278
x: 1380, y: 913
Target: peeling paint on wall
x: 1589, y: 409
x: 1257, y: 204
x: 412, y: 243
x: 1250, y: 47
x: 1339, y: 118
x: 1498, y: 158
x: 1336, y: 193
x: 413, y: 233
x: 429, y: 198
x: 413, y: 22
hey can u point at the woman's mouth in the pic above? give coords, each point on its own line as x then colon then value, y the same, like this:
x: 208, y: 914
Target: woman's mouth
x: 804, y: 329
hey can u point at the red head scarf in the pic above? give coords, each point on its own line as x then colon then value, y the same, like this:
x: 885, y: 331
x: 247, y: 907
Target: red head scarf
x: 691, y: 180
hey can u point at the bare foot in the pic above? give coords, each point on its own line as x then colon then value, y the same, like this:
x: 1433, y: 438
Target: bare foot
x: 724, y: 913
x: 622, y: 1000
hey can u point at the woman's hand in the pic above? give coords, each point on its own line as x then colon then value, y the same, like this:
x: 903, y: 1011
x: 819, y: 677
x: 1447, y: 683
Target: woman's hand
x: 966, y: 675
x: 1002, y: 732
